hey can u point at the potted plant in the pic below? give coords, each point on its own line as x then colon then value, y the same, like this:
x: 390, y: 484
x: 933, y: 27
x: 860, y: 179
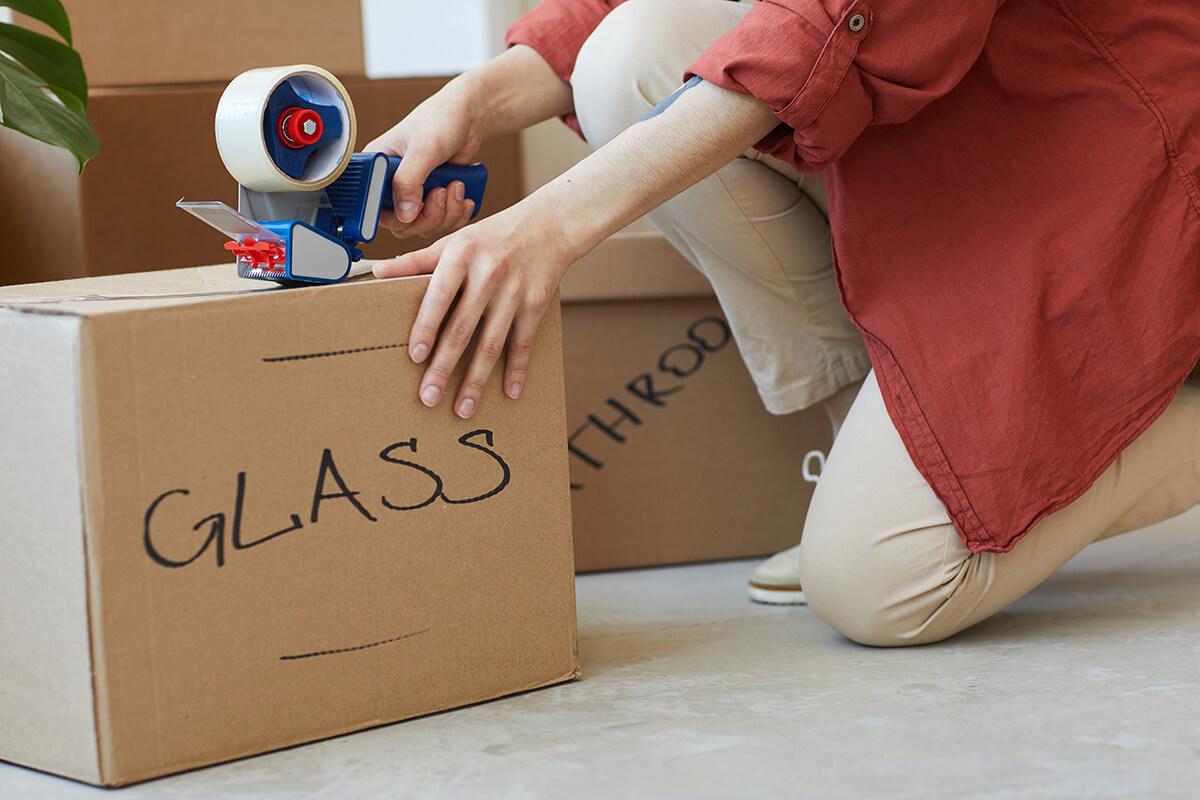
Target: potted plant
x: 43, y: 89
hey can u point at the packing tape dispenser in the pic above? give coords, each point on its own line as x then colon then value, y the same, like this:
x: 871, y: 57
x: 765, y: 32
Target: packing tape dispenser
x: 306, y: 200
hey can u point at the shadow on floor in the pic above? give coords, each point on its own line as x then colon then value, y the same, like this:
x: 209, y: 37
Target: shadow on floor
x: 1108, y: 601
x: 603, y: 648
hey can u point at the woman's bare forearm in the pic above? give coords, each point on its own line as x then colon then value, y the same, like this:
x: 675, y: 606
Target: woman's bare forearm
x: 514, y: 90
x: 652, y: 161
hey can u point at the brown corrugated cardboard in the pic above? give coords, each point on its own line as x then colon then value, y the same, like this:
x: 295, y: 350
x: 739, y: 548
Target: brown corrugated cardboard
x: 673, y: 457
x: 157, y: 145
x: 134, y: 43
x: 229, y: 526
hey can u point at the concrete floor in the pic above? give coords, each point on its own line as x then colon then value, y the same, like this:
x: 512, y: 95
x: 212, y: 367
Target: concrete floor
x: 1089, y: 687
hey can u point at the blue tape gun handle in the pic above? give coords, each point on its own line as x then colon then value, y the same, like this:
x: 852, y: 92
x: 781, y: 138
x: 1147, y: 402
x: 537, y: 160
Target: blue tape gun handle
x: 473, y: 176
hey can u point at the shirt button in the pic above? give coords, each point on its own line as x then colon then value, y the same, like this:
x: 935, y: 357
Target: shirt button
x: 857, y: 22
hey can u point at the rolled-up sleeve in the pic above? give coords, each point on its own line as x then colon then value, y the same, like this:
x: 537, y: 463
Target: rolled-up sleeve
x: 829, y: 68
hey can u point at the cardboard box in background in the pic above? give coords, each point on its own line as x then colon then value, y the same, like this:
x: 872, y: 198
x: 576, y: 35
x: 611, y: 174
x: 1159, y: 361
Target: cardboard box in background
x: 157, y: 145
x: 229, y: 526
x: 136, y: 43
x: 673, y: 457
x: 704, y: 473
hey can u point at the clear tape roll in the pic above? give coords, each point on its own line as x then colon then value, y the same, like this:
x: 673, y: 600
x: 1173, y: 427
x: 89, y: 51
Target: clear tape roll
x: 239, y: 129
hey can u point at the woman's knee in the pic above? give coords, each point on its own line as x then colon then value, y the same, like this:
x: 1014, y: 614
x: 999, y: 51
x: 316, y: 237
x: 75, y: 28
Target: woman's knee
x: 839, y: 596
x: 875, y: 591
x: 638, y: 55
x: 616, y: 68
x: 880, y: 560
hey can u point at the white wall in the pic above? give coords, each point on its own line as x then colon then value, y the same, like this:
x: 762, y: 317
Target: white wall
x: 407, y: 38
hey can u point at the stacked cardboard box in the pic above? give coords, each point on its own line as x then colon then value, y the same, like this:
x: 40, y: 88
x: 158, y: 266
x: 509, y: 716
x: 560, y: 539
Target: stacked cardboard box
x: 252, y: 471
x: 158, y: 146
x: 130, y: 43
x: 153, y: 104
x: 120, y: 216
x: 673, y: 458
x: 229, y: 525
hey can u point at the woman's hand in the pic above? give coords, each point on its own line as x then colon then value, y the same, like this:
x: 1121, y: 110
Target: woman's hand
x: 512, y: 91
x: 443, y: 128
x: 497, y: 277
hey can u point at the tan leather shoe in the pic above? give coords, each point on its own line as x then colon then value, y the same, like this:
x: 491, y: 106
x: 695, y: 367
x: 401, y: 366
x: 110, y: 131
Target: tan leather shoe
x: 776, y: 581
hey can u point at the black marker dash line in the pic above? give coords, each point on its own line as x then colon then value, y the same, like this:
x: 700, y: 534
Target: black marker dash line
x: 353, y: 649
x: 335, y: 353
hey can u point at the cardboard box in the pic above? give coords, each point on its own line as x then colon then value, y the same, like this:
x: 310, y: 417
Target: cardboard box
x: 229, y: 526
x: 673, y: 457
x: 157, y: 145
x: 133, y: 43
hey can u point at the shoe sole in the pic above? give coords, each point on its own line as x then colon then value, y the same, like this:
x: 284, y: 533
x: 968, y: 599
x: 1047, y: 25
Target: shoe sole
x: 777, y: 595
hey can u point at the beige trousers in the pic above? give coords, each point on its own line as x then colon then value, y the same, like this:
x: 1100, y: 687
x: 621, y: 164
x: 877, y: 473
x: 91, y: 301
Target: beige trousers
x: 757, y: 229
x: 879, y: 558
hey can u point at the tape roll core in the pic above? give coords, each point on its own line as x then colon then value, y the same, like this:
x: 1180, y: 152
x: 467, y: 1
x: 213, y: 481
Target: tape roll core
x: 239, y: 129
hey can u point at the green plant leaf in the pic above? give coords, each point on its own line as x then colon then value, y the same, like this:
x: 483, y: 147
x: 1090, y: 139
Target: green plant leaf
x: 27, y: 107
x: 50, y: 12
x: 52, y: 61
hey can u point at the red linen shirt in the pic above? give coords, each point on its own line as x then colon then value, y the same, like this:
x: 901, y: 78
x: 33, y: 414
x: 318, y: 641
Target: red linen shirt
x: 1015, y: 210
